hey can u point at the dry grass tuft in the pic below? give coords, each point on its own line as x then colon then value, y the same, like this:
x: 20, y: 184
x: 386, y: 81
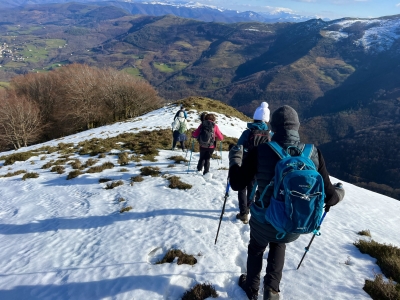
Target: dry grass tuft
x: 90, y: 162
x: 114, y: 184
x: 30, y: 175
x: 176, y: 183
x: 200, y: 291
x: 388, y: 259
x: 178, y: 159
x: 58, y: 169
x: 14, y: 173
x: 128, y: 208
x: 150, y: 171
x: 98, y: 169
x: 123, y: 158
x: 378, y: 289
x: 137, y: 178
x: 364, y: 232
x: 183, y: 258
x: 74, y: 174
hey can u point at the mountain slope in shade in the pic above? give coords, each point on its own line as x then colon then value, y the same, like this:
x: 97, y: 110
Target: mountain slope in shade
x: 65, y: 239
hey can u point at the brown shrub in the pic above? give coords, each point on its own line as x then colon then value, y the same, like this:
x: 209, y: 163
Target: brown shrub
x: 200, y: 291
x: 150, y: 171
x: 176, y: 183
x: 183, y: 258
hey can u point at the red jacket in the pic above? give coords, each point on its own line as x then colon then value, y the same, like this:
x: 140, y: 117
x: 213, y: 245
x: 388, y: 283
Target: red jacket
x: 218, y: 135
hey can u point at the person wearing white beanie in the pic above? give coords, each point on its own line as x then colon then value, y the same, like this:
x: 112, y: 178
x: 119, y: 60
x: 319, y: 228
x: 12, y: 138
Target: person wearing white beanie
x: 256, y: 133
x: 262, y: 113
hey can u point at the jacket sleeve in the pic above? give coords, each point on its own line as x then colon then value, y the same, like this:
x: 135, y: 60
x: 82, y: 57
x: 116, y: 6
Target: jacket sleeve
x: 241, y: 176
x: 332, y: 197
x: 218, y: 133
x: 196, y: 133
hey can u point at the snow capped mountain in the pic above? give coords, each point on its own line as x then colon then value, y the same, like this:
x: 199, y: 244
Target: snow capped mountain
x: 66, y: 239
x: 185, y: 9
x: 373, y: 35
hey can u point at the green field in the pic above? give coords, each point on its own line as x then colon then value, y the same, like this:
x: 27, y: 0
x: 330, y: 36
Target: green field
x: 15, y: 64
x: 29, y: 30
x: 33, y: 53
x: 55, y: 43
x: 169, y: 67
x: 132, y: 71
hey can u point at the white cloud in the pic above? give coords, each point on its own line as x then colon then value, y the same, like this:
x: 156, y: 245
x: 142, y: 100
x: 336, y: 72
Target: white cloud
x: 398, y: 4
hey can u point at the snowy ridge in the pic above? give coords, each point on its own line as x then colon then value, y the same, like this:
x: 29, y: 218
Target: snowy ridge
x: 65, y: 239
x: 379, y: 35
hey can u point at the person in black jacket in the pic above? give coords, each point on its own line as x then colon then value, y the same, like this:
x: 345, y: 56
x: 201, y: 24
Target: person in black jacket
x: 260, y: 162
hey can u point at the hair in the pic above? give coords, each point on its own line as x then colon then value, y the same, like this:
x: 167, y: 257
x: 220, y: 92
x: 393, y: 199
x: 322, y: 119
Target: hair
x: 202, y: 116
x: 210, y: 117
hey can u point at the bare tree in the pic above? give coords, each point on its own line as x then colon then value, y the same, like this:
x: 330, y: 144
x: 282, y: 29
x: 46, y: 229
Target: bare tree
x: 82, y: 105
x: 20, y: 121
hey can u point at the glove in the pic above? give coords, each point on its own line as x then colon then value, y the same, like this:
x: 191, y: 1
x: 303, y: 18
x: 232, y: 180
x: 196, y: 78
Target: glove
x: 236, y: 156
x: 231, y: 146
x: 338, y: 185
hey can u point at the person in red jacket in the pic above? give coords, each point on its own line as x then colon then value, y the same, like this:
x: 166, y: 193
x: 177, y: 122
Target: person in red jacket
x: 206, y: 134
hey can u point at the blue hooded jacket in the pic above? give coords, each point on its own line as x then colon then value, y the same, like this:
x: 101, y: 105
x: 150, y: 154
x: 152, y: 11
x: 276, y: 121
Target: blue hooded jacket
x: 245, y: 135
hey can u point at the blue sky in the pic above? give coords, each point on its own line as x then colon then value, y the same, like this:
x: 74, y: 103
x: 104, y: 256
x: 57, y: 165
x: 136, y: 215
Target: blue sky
x: 332, y: 9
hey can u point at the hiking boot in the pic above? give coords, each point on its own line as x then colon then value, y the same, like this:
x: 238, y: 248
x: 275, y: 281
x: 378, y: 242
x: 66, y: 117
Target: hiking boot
x: 270, y: 294
x: 173, y: 148
x: 243, y: 217
x: 252, y: 294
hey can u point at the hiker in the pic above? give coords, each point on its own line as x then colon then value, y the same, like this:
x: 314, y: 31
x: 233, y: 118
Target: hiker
x: 255, y: 134
x: 181, y: 109
x: 206, y: 134
x: 260, y: 162
x: 179, y: 128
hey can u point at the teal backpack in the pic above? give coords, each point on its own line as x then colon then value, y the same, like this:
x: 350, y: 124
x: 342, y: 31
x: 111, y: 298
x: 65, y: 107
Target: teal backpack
x: 297, y: 202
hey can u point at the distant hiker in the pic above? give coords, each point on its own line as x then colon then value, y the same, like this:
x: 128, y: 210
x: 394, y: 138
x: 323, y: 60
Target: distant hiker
x: 181, y: 109
x: 179, y: 128
x: 206, y: 134
x: 261, y: 162
x: 255, y: 134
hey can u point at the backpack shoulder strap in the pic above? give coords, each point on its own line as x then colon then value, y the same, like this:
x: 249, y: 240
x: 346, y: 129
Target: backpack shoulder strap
x: 278, y: 149
x: 308, y: 150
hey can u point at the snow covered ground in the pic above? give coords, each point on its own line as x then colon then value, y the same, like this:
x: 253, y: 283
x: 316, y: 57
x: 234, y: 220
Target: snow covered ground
x: 66, y: 239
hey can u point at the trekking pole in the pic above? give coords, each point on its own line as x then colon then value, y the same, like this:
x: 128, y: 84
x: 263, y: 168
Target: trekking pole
x: 220, y: 148
x: 191, y: 152
x: 228, y: 185
x: 316, y: 233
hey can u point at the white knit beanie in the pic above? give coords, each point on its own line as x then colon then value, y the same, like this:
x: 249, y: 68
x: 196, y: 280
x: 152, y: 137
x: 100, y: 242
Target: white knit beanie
x: 262, y: 112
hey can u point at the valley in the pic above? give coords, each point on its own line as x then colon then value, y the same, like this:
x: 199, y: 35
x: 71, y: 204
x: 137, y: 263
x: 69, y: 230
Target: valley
x: 339, y: 75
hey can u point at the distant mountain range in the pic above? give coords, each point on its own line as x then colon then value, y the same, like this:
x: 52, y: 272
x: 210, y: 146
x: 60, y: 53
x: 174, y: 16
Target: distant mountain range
x: 342, y: 76
x: 184, y: 9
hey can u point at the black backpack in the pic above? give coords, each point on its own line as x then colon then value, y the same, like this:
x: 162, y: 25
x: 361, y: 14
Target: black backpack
x: 256, y: 138
x: 206, y: 137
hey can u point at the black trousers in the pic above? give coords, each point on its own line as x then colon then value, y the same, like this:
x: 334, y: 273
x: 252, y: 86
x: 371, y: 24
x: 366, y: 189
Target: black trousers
x: 275, y: 262
x: 204, y: 160
x: 244, y: 198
